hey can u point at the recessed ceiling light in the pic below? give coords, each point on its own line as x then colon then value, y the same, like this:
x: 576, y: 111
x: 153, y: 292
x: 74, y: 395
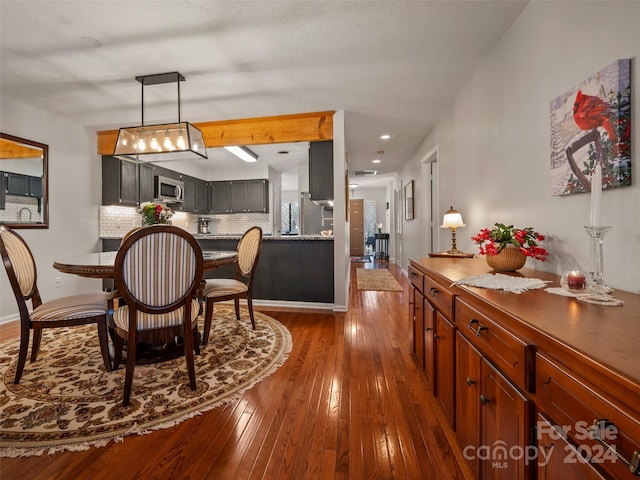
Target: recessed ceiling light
x: 385, y: 136
x: 283, y: 152
x: 377, y: 160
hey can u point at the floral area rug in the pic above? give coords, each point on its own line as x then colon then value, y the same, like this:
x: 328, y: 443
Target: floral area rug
x: 66, y: 400
x: 377, y: 279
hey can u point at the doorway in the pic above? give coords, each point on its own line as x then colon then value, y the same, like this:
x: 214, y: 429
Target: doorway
x: 356, y: 228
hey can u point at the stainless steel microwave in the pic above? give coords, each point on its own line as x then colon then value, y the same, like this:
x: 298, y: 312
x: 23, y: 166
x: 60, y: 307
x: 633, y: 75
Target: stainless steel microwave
x: 168, y: 190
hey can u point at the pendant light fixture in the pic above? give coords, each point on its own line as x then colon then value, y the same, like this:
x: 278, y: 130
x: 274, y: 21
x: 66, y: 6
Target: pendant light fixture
x: 175, y: 140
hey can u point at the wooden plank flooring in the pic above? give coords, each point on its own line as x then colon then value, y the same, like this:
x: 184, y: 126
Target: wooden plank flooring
x: 350, y: 403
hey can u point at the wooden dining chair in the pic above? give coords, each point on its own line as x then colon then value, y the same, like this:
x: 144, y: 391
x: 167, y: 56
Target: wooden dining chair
x: 221, y: 289
x: 158, y: 270
x: 62, y: 312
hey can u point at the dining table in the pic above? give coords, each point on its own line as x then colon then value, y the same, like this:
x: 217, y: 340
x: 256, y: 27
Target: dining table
x: 101, y: 265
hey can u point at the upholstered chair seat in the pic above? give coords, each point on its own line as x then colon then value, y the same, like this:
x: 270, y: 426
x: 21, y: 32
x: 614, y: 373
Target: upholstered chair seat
x: 73, y: 307
x: 222, y: 287
x: 147, y: 321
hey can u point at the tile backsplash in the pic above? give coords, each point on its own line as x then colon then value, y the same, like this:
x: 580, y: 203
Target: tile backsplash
x: 115, y: 221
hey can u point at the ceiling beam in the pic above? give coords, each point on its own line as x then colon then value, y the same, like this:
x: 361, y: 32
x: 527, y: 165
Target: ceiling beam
x: 302, y: 127
x: 11, y: 149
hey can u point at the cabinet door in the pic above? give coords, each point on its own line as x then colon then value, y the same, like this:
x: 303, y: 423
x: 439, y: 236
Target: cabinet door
x: 557, y: 458
x: 257, y: 193
x: 202, y: 196
x: 3, y: 189
x: 445, y: 358
x: 321, y: 170
x: 128, y: 183
x: 220, y: 197
x: 238, y: 196
x: 418, y: 327
x: 145, y: 192
x: 468, y: 361
x: 429, y: 344
x: 189, y: 200
x: 18, y: 184
x: 35, y: 187
x: 505, y: 421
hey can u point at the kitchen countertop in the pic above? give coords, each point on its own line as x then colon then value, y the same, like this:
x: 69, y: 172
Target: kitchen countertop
x: 201, y: 236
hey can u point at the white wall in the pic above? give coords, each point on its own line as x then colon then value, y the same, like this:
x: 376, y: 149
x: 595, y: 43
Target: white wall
x: 494, y: 141
x: 75, y: 181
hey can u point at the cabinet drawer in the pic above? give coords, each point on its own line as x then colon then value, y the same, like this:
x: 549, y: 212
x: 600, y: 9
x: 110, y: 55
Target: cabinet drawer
x: 439, y: 296
x: 512, y: 355
x: 575, y: 407
x: 416, y: 278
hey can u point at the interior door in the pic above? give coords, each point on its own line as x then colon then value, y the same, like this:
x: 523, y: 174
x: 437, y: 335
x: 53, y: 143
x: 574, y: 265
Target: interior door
x: 356, y: 208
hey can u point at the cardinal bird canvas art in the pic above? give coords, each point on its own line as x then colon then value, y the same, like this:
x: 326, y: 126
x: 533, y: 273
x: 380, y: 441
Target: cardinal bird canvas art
x: 591, y: 112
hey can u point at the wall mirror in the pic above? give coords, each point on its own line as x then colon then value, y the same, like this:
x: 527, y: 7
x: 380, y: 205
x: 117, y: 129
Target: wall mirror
x: 24, y: 201
x: 408, y: 201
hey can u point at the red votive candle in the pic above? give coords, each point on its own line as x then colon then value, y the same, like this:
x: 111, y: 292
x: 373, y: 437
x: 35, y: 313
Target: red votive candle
x: 576, y: 281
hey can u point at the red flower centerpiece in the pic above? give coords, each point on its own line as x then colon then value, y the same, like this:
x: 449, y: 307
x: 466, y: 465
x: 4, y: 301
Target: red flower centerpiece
x: 504, y: 241
x: 154, y: 213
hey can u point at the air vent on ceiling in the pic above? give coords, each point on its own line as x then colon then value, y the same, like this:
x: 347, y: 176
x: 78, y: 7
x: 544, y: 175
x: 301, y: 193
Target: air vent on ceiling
x: 365, y: 173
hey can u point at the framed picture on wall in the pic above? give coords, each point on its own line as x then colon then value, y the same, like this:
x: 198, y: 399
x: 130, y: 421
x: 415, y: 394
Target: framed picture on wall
x: 408, y: 201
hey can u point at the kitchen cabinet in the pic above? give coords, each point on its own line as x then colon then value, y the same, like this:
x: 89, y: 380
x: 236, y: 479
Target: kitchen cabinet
x: 196, y: 199
x: 146, y: 173
x: 3, y: 190
x: 120, y: 182
x: 240, y: 196
x: 23, y: 185
x: 202, y: 197
x: 321, y: 170
x: 540, y: 389
x: 221, y: 197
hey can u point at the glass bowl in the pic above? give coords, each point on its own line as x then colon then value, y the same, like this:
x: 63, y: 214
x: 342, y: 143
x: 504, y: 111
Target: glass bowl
x: 574, y: 280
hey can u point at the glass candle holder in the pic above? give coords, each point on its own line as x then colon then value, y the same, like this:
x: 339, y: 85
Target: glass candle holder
x: 574, y: 280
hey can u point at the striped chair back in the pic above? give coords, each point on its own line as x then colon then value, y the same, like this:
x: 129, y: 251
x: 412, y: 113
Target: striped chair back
x: 158, y: 267
x: 17, y: 252
x: 249, y: 249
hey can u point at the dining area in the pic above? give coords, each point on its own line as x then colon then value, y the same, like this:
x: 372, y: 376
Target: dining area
x: 162, y: 303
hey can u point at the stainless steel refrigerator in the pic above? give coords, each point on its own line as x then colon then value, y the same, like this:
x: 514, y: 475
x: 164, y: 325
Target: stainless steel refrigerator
x: 311, y: 217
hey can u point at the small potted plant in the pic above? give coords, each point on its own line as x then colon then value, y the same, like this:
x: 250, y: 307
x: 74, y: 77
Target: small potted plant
x: 507, y: 248
x: 155, y: 213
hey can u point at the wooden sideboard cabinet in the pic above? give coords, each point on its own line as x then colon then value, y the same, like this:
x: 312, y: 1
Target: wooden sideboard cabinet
x: 534, y: 385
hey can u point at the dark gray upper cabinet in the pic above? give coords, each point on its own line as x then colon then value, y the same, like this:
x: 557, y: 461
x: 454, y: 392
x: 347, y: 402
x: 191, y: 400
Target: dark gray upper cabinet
x: 145, y: 190
x: 221, y: 197
x: 189, y: 199
x: 257, y: 196
x: 3, y: 189
x: 240, y: 196
x: 119, y: 182
x: 202, y: 196
x: 321, y: 170
x: 23, y: 185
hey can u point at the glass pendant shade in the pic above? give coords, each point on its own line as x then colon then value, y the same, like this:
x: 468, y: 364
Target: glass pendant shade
x: 174, y: 138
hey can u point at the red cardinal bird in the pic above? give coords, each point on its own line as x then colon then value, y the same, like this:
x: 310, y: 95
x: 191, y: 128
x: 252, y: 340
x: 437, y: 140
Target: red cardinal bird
x: 590, y: 112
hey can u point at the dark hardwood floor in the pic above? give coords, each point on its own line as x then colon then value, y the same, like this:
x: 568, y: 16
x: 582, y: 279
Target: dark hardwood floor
x: 350, y: 403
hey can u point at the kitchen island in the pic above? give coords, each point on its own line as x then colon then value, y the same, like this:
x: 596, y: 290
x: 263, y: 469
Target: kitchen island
x: 296, y: 268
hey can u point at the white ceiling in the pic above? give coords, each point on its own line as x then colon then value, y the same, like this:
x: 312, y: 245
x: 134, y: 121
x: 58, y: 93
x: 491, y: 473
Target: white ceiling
x: 392, y: 66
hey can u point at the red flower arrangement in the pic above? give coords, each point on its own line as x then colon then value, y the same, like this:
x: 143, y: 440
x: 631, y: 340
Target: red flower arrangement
x: 498, y: 238
x: 153, y: 213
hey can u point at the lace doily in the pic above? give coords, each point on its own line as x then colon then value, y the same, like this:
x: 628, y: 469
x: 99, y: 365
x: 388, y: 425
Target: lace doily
x: 500, y: 281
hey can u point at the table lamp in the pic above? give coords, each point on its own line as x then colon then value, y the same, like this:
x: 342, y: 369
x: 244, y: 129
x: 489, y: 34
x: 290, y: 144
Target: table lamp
x: 452, y: 220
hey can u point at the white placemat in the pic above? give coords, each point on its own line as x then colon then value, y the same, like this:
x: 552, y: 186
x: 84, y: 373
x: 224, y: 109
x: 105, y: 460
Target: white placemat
x: 500, y: 281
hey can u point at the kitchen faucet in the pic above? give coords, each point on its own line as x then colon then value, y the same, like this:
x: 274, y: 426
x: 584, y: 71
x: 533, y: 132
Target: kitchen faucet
x: 20, y: 213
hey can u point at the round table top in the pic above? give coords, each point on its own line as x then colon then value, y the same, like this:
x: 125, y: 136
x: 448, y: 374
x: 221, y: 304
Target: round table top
x: 100, y: 265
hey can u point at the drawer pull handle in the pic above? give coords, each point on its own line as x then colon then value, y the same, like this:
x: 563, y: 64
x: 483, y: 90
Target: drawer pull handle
x: 433, y: 291
x: 412, y: 275
x: 594, y: 433
x: 480, y: 329
x: 471, y: 322
x: 483, y: 400
x: 428, y: 329
x: 470, y: 382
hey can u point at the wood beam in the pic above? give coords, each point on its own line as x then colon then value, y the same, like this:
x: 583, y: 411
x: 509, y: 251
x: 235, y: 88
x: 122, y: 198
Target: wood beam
x: 302, y: 127
x: 11, y: 149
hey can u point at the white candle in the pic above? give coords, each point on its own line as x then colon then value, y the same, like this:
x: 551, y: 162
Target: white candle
x: 596, y: 196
